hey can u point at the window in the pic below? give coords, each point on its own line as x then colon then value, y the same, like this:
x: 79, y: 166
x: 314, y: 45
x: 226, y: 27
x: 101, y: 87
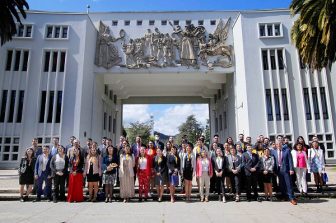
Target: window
x: 324, y: 103
x: 114, y: 22
x: 20, y: 107
x: 65, y: 32
x: 46, y: 61
x: 225, y: 120
x: 62, y: 62
x: 151, y: 22
x: 219, y: 94
x: 330, y: 154
x: 28, y: 31
x: 269, y: 105
x: 11, y: 106
x: 277, y: 29
x: 220, y: 123
x: 57, y: 32
x: 307, y: 103
x: 216, y: 124
x: 9, y: 60
x: 265, y: 59
x: 115, y: 99
x: 110, y: 124
x: 111, y: 95
x: 163, y: 22
x: 262, y: 31
x: 215, y: 98
x: 213, y: 22
x: 17, y: 60
x: 49, y: 31
x: 51, y: 107
x: 188, y: 22
x: 315, y: 104
x: 57, y: 64
x: 114, y: 125
x: 59, y: 106
x: 270, y: 30
x: 54, y: 61
x: 10, y: 149
x: 277, y: 105
x: 106, y: 89
x: 3, y: 105
x: 127, y: 22
x: 284, y: 104
x: 105, y: 117
x: 25, y: 60
x: 273, y: 63
x: 329, y: 137
x: 176, y: 22
x: 280, y: 59
x: 20, y: 30
x: 139, y: 23
x: 200, y: 22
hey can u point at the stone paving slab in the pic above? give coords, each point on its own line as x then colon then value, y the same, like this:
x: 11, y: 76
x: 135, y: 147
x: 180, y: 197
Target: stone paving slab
x: 319, y: 210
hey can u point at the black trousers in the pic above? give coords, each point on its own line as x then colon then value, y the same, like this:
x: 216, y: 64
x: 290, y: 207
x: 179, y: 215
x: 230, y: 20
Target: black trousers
x: 220, y: 186
x: 251, y: 185
x: 213, y: 183
x: 59, y: 187
x: 235, y: 182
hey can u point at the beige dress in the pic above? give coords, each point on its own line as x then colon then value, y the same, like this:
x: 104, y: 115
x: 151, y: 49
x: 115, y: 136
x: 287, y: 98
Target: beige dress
x: 126, y: 175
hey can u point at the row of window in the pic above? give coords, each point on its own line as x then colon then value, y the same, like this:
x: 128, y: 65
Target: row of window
x: 9, y: 148
x: 221, y: 122
x: 24, y: 30
x: 8, y: 101
x: 163, y: 22
x: 54, y: 60
x: 315, y: 98
x: 57, y: 32
x: 270, y: 30
x: 109, y: 93
x: 17, y: 60
x: 276, y: 105
x: 271, y: 57
x: 47, y: 107
x: 108, y: 123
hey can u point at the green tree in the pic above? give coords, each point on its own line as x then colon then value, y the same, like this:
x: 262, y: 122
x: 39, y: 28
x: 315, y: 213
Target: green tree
x: 207, y: 132
x: 9, y: 9
x: 314, y: 32
x: 191, y: 128
x: 139, y: 129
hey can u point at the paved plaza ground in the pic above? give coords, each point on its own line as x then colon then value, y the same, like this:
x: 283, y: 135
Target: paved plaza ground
x: 319, y: 210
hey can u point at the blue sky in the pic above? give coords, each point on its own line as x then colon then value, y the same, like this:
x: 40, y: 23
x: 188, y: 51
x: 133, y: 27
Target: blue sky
x: 148, y: 5
x: 167, y: 118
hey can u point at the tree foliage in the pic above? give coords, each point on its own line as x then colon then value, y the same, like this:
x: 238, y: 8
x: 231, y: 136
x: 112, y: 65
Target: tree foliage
x: 191, y: 128
x: 10, y: 10
x: 313, y: 33
x: 139, y: 129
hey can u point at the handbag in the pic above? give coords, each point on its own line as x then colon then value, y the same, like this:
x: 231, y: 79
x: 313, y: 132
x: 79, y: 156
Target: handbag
x: 325, y: 178
x: 308, y: 176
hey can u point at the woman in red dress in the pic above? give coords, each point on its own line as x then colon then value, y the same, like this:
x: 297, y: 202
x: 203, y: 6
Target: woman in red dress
x: 144, y: 173
x: 151, y: 152
x: 75, y: 189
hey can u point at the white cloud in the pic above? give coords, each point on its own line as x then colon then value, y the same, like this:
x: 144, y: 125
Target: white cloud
x: 174, y: 116
x: 134, y: 113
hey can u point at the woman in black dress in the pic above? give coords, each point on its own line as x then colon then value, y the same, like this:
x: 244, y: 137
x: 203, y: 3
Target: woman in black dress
x: 161, y: 172
x: 173, y: 163
x: 26, y: 172
x: 188, y: 166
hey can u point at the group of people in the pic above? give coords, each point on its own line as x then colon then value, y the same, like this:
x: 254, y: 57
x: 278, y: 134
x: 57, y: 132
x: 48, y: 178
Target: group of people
x: 217, y: 168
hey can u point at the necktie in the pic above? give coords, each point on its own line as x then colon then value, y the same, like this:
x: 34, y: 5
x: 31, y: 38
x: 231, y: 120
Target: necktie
x: 280, y: 158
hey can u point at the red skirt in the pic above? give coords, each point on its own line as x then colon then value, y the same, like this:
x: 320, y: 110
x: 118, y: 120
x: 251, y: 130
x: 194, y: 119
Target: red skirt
x: 75, y: 189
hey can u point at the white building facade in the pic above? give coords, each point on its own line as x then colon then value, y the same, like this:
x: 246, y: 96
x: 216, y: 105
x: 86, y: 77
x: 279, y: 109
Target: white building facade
x: 70, y: 74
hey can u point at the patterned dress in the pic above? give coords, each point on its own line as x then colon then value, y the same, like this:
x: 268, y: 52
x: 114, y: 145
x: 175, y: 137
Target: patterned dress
x: 126, y: 176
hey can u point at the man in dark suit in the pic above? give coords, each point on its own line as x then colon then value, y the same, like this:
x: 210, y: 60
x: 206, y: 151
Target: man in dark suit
x: 284, y: 168
x: 251, y: 165
x: 158, y: 143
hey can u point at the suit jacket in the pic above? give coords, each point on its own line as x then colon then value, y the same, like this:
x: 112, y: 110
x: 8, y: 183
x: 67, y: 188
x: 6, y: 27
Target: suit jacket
x: 231, y: 164
x: 286, y: 161
x: 53, y: 166
x: 221, y: 166
x: 160, y: 167
x: 38, y: 166
x: 159, y: 144
x: 134, y: 149
x: 250, y: 163
x: 173, y: 163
